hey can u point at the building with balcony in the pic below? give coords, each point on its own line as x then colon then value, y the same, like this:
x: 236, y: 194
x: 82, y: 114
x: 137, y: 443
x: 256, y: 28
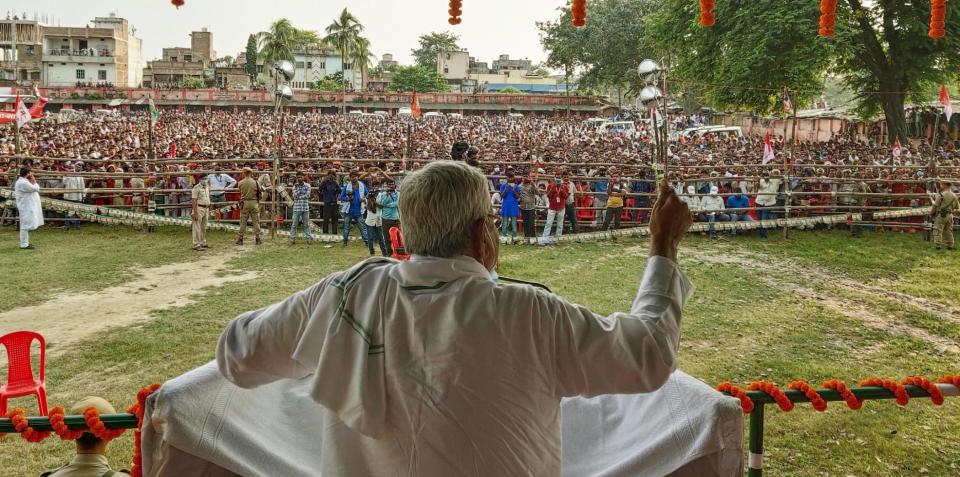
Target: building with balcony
x: 20, y: 50
x: 107, y: 53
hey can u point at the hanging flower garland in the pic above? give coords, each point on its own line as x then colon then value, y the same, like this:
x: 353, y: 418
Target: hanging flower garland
x: 938, y: 16
x: 60, y: 427
x: 456, y: 10
x: 579, y: 11
x: 828, y: 17
x: 177, y: 3
x: 707, y: 16
x: 137, y: 408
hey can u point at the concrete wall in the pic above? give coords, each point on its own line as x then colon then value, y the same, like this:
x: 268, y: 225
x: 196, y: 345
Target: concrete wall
x: 66, y: 75
x: 453, y: 64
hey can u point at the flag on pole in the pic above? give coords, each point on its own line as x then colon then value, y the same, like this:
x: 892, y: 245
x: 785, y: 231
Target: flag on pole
x: 787, y: 104
x: 897, y: 149
x: 768, y: 153
x: 945, y: 102
x: 22, y: 114
x: 154, y: 113
x: 415, y: 106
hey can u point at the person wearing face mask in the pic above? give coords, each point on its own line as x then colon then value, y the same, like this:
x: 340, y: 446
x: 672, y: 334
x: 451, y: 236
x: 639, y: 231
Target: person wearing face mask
x: 432, y: 366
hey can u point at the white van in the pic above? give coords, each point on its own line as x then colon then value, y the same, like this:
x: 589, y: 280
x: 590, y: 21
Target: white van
x: 433, y: 114
x: 627, y: 128
x: 717, y: 131
x: 404, y: 112
x: 595, y: 122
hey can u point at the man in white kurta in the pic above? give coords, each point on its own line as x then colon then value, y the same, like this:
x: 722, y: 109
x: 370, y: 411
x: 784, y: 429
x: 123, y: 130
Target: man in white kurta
x: 27, y: 194
x: 430, y: 367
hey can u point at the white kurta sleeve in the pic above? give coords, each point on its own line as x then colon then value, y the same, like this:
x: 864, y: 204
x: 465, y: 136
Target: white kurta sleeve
x: 623, y: 353
x: 257, y: 347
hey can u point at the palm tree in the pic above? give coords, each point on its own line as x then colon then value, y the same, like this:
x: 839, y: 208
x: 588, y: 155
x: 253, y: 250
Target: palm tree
x: 279, y: 42
x: 361, y: 55
x: 344, y: 33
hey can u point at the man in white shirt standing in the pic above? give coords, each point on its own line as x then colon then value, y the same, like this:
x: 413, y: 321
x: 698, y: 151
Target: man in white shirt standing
x: 27, y: 194
x: 431, y: 367
x: 78, y: 184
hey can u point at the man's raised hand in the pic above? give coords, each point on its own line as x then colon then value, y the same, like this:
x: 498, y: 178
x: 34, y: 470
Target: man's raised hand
x: 669, y: 222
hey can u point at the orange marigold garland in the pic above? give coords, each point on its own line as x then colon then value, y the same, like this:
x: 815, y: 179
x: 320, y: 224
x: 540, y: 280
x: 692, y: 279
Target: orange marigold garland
x: 953, y: 379
x: 771, y: 389
x: 60, y: 427
x: 137, y: 409
x: 579, y: 11
x: 935, y: 395
x: 22, y: 425
x: 745, y: 402
x: 815, y: 400
x: 96, y: 427
x: 853, y: 402
x: 828, y: 17
x: 899, y: 392
x: 938, y: 17
x: 707, y: 16
x: 456, y: 10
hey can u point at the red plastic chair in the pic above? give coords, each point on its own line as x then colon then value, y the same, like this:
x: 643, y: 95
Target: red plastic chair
x: 396, y: 241
x: 20, y: 380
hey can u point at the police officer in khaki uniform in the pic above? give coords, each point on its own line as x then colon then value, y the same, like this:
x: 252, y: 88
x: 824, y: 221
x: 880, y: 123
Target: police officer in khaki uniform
x: 200, y: 200
x: 249, y: 205
x: 942, y: 212
x: 90, y: 460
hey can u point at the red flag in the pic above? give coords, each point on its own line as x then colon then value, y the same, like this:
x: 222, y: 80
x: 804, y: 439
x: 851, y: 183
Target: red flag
x: 768, y: 153
x: 897, y: 149
x: 415, y: 106
x: 945, y: 102
x: 34, y: 112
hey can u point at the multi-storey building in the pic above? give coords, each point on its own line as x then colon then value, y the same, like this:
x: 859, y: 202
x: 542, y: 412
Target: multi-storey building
x: 107, y: 53
x: 178, y: 64
x: 20, y: 47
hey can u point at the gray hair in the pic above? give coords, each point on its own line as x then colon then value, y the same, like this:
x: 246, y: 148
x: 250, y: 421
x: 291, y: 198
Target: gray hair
x: 438, y: 205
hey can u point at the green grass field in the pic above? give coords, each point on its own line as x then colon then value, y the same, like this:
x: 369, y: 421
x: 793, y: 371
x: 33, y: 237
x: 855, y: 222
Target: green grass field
x: 820, y: 305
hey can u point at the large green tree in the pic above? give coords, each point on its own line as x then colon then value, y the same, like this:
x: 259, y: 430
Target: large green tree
x: 432, y: 44
x: 417, y: 78
x: 281, y: 39
x: 757, y: 48
x: 251, y: 66
x: 888, y: 58
x: 608, y: 48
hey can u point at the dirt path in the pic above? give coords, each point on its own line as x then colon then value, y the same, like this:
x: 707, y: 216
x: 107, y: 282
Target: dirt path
x: 771, y: 274
x: 72, y: 317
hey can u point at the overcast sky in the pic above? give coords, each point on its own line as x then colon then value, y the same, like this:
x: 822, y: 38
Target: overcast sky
x: 489, y: 28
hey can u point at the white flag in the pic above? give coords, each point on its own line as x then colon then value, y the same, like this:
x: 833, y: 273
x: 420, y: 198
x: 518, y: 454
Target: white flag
x: 768, y: 153
x: 22, y: 114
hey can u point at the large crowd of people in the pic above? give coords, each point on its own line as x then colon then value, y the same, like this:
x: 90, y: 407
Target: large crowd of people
x: 563, y: 173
